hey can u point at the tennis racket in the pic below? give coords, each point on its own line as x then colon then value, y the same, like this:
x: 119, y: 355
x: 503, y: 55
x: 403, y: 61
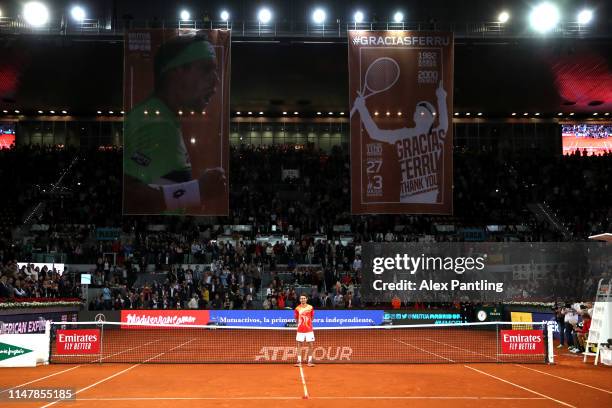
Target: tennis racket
x: 381, y: 75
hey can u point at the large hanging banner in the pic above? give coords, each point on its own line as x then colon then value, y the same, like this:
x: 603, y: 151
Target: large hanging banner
x: 401, y: 93
x: 176, y: 139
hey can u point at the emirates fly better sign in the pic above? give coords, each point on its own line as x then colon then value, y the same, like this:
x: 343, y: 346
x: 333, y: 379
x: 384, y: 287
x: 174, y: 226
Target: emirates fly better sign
x: 522, y: 341
x: 83, y: 341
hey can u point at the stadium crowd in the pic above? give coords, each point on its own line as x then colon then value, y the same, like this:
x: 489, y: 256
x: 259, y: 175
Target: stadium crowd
x: 29, y: 282
x: 66, y: 209
x: 584, y: 130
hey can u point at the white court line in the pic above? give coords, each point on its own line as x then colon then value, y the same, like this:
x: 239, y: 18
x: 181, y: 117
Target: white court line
x: 187, y: 398
x: 39, y: 379
x: 99, y: 359
x: 119, y: 373
x: 161, y: 354
x: 304, y: 382
x: 429, y: 352
x: 350, y: 397
x: 564, y: 379
x: 94, y: 384
x: 521, y: 387
x: 431, y: 398
x: 124, y: 351
x: 462, y: 349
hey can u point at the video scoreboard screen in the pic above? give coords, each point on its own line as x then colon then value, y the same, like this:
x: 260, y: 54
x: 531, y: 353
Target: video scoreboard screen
x: 7, y: 135
x: 589, y: 139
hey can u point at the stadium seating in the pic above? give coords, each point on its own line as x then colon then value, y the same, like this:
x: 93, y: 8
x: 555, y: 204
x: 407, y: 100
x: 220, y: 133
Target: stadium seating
x: 62, y: 212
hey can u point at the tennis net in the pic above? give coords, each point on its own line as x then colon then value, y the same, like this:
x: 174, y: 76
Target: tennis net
x: 112, y: 342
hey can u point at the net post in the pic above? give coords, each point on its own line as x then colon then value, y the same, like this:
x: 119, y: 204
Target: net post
x: 48, y: 337
x: 497, y: 354
x: 549, y: 340
x: 101, y: 353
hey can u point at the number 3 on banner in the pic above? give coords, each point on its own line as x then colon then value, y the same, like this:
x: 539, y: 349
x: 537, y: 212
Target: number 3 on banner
x: 377, y: 184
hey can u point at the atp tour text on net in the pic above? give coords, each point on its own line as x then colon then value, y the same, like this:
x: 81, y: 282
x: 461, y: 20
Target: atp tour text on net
x: 404, y: 263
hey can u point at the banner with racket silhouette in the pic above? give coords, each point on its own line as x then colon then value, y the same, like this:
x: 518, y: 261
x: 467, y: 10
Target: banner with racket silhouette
x: 401, y: 100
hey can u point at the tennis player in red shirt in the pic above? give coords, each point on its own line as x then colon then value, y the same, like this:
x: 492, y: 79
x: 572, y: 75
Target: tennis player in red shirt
x: 304, y: 315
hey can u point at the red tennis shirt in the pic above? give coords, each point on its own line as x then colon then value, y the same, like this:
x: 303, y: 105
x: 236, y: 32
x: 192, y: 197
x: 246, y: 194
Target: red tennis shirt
x: 304, y: 316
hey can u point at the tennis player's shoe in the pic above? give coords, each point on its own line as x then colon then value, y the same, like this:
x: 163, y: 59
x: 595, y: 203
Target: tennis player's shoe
x: 311, y: 364
x: 297, y: 365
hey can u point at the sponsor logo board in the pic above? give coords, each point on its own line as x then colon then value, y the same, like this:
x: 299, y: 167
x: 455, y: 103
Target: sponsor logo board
x: 81, y: 341
x: 522, y: 342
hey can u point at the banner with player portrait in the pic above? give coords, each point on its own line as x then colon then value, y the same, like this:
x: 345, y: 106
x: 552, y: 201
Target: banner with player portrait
x: 175, y: 135
x: 401, y: 99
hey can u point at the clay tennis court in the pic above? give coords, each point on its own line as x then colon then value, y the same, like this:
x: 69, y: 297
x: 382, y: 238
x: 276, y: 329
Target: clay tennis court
x: 456, y: 371
x: 569, y: 383
x: 417, y: 344
x: 591, y: 145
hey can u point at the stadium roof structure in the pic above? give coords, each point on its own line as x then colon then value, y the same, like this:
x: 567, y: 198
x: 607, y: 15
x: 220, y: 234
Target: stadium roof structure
x: 83, y: 75
x: 294, y: 19
x: 252, y: 30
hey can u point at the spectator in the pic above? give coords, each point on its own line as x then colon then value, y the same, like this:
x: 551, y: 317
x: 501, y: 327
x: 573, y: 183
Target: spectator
x: 560, y: 318
x: 5, y: 291
x: 570, y: 320
x: 348, y: 300
x: 18, y: 290
x: 396, y: 302
x: 107, y: 297
x: 193, y: 303
x: 357, y: 264
x: 227, y: 302
x: 338, y: 300
x: 217, y: 303
x: 266, y: 304
x: 205, y: 295
x: 582, y: 334
x: 280, y: 300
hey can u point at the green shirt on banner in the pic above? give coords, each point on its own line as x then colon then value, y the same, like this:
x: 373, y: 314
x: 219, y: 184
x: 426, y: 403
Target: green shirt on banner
x: 154, y: 149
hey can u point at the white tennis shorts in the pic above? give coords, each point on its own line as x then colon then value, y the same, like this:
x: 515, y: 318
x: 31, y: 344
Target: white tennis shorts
x: 302, y: 337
